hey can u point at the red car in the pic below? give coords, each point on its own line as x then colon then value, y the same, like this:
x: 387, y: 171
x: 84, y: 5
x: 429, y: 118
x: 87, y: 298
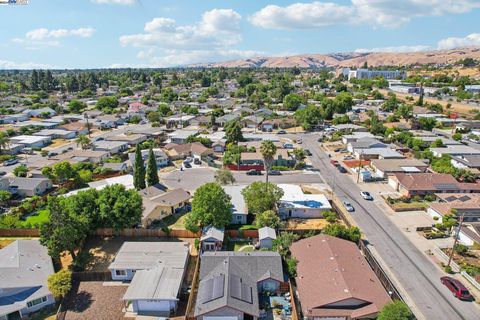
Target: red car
x: 334, y: 163
x: 457, y: 288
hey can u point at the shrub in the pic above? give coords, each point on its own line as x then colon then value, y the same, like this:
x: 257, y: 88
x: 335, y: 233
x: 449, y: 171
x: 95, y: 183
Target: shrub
x: 460, y: 249
x: 292, y: 267
x: 448, y: 269
x: 60, y: 283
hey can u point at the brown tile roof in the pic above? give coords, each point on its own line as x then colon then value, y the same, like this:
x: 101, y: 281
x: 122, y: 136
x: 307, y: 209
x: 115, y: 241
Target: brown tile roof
x: 446, y: 207
x: 331, y: 270
x: 433, y: 182
x: 74, y: 126
x: 184, y: 149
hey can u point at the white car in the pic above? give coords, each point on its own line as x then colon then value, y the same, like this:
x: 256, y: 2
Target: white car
x: 366, y: 195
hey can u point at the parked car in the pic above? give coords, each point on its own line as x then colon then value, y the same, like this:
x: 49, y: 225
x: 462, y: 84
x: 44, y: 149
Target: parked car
x: 281, y: 132
x: 197, y: 161
x: 348, y: 206
x: 299, y: 141
x: 10, y: 162
x: 366, y: 195
x: 307, y: 152
x: 341, y: 169
x: 274, y: 173
x: 348, y: 157
x: 334, y: 163
x: 2, y: 173
x: 187, y: 164
x: 457, y: 288
x: 254, y: 172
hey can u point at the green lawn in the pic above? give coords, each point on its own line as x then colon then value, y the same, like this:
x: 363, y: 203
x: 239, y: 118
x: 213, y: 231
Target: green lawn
x: 39, y: 218
x: 237, y: 245
x: 176, y: 221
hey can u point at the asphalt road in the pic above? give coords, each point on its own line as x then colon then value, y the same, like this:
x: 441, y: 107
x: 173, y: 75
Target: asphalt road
x: 413, y: 273
x: 191, y: 179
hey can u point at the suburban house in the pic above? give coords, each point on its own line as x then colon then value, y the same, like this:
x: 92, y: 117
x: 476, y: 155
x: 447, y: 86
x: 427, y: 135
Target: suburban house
x: 82, y: 156
x: 386, y: 167
x: 296, y: 204
x: 252, y: 121
x: 425, y: 183
x: 377, y: 153
x: 56, y: 134
x: 131, y: 139
x: 116, y: 166
x: 365, y: 143
x: 31, y: 141
x: 24, y: 269
x: 354, y: 137
x: 466, y: 205
x: 179, y: 136
x: 77, y: 127
x: 181, y: 151
x: 239, y: 207
x: 281, y: 158
x: 212, y: 238
x: 161, y: 157
x: 466, y: 161
x: 266, y: 236
x: 231, y: 283
x: 334, y: 281
x: 156, y: 271
x: 470, y: 234
x: 26, y: 187
x: 112, y: 147
x: 219, y: 146
x: 164, y: 204
x: 460, y: 150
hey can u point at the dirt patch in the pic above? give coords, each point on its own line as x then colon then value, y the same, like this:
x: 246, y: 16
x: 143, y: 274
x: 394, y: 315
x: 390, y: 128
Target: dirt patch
x: 307, y: 224
x: 94, y: 300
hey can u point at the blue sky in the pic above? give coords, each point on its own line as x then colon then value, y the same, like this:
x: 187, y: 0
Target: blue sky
x: 162, y: 33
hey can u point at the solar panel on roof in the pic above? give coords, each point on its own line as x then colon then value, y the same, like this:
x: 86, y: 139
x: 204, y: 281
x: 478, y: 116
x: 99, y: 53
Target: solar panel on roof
x: 464, y: 198
x: 240, y: 290
x: 445, y: 186
x: 212, y: 289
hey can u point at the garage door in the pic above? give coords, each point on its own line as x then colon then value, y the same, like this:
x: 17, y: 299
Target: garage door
x: 151, y: 305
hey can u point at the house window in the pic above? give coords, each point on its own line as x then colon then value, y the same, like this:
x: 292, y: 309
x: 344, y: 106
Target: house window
x: 36, y: 302
x: 239, y: 218
x: 121, y: 273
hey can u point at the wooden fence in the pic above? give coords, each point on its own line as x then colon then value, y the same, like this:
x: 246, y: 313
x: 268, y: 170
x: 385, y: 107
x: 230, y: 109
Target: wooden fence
x: 193, y: 291
x: 92, y: 276
x: 19, y: 233
x: 242, y: 233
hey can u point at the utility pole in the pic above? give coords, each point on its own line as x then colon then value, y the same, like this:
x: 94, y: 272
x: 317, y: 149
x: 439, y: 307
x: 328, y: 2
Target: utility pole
x: 85, y: 115
x: 359, y: 166
x: 456, y: 238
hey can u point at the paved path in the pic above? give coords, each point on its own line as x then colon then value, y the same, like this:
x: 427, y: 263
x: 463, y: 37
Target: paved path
x: 412, y: 272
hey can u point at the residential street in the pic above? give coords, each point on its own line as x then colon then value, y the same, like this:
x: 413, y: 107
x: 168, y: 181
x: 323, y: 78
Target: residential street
x: 412, y: 272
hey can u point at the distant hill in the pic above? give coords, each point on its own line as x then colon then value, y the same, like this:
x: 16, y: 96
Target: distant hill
x: 352, y: 59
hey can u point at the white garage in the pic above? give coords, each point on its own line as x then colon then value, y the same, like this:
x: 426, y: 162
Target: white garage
x: 153, y: 305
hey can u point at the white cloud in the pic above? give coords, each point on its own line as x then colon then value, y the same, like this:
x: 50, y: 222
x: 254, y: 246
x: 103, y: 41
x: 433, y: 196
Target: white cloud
x: 302, y: 15
x: 43, y: 37
x: 7, y: 64
x: 120, y: 2
x: 165, y: 43
x: 456, y: 42
x: 395, y: 49
x: 385, y: 13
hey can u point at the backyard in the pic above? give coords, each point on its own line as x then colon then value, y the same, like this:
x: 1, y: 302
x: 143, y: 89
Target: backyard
x: 240, y: 245
x: 36, y: 219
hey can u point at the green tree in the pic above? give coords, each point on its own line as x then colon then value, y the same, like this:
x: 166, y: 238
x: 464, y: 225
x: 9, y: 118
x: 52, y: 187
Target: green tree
x: 20, y: 171
x: 83, y: 141
x: 309, y: 117
x: 60, y: 283
x: 292, y: 267
x: 152, y: 170
x: 107, y: 103
x: 283, y: 242
x: 4, y: 141
x: 60, y: 172
x: 139, y: 170
x: 438, y: 143
x: 119, y: 208
x: 457, y: 136
x: 76, y: 106
x: 233, y: 132
x: 395, y: 310
x: 261, y: 196
x: 268, y: 151
x: 267, y: 218
x: 340, y: 231
x: 4, y: 196
x: 427, y: 123
x: 292, y: 101
x: 210, y: 206
x: 224, y: 176
x: 65, y: 231
x: 330, y: 216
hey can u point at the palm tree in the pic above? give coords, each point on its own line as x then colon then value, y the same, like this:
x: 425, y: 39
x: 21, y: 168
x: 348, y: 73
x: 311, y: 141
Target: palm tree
x: 268, y: 151
x: 4, y: 141
x: 83, y: 141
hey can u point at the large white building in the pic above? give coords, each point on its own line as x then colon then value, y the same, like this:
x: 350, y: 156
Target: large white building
x: 369, y: 74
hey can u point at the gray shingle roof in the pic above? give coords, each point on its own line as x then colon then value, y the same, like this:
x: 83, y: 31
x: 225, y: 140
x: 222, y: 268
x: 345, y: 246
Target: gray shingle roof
x: 24, y: 268
x: 240, y: 272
